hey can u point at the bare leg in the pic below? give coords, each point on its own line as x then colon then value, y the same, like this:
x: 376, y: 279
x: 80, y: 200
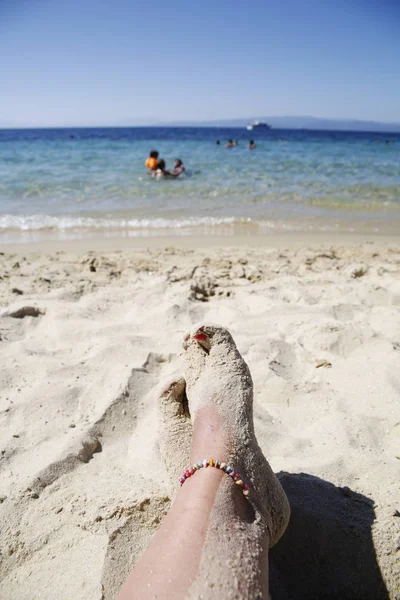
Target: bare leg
x: 214, y: 542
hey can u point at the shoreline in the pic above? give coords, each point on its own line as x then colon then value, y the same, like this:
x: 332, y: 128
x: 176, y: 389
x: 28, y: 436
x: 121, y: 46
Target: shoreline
x: 280, y: 240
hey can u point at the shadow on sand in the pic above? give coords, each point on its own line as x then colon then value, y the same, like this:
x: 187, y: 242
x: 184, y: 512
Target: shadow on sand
x: 327, y: 551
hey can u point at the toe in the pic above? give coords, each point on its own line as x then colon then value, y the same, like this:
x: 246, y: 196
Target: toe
x: 173, y: 397
x: 197, y: 338
x: 173, y: 388
x: 202, y: 339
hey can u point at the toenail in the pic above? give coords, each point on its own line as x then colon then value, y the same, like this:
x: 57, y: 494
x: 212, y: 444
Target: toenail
x: 203, y: 340
x: 200, y: 337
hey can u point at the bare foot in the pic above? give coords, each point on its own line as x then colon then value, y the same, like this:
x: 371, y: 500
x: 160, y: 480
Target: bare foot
x: 175, y: 430
x: 220, y: 394
x: 220, y: 537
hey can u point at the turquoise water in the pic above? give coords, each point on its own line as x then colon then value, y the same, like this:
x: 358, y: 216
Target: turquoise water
x: 73, y: 183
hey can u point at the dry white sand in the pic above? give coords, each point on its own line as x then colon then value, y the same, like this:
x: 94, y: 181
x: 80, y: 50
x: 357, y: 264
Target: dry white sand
x: 82, y: 483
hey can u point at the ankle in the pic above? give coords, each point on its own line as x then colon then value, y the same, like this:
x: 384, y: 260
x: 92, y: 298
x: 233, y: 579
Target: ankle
x: 209, y: 437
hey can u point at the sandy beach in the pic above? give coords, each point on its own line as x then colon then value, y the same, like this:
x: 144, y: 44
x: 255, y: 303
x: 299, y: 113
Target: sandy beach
x: 90, y: 331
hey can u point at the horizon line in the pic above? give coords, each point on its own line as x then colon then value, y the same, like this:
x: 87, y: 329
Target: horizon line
x: 187, y: 126
x: 228, y: 123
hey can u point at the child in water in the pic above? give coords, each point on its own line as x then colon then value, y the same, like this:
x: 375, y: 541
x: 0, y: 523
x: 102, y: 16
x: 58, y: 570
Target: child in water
x: 152, y: 161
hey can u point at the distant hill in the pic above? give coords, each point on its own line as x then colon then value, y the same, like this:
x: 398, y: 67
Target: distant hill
x: 275, y: 122
x: 297, y: 123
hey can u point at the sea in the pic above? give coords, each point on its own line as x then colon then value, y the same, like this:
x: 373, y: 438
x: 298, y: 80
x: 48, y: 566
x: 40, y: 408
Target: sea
x: 80, y: 183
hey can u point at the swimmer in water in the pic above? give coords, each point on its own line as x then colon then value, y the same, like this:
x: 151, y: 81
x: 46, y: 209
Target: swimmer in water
x: 162, y: 171
x: 251, y: 145
x: 152, y: 161
x: 229, y: 144
x: 178, y: 168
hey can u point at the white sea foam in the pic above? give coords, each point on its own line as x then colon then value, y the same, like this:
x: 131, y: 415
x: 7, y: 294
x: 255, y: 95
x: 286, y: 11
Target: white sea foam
x: 36, y: 227
x: 71, y: 222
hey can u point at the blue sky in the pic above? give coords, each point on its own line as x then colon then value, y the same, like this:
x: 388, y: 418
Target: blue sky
x: 95, y: 62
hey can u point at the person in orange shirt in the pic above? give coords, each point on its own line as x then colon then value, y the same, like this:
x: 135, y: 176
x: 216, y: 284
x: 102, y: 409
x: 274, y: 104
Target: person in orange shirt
x: 152, y: 161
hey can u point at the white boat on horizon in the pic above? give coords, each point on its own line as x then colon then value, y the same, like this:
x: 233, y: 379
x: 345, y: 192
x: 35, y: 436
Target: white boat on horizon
x: 257, y: 125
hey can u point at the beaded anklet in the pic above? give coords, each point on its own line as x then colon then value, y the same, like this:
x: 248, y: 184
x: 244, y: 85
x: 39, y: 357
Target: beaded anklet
x: 210, y: 462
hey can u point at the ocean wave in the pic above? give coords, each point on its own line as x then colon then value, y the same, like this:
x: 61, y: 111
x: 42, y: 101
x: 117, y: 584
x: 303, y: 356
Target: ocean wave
x: 69, y: 222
